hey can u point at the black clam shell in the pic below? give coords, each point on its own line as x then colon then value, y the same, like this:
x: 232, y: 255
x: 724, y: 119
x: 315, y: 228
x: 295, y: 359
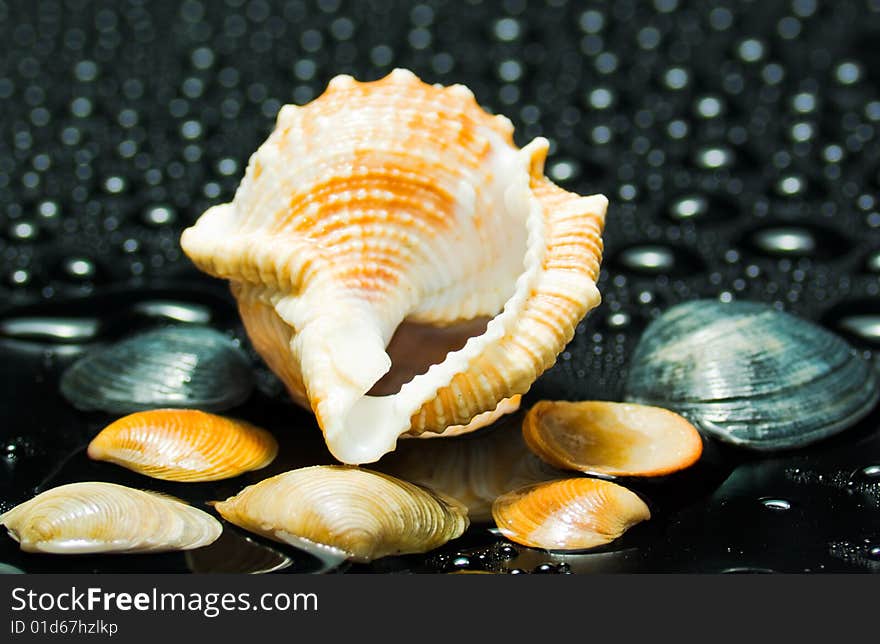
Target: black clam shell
x: 748, y: 374
x: 178, y: 366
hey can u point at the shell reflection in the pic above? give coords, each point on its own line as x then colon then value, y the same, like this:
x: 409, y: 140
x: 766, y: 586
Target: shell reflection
x: 360, y: 514
x: 103, y: 517
x: 236, y: 554
x: 473, y: 469
x: 571, y: 514
x: 616, y: 439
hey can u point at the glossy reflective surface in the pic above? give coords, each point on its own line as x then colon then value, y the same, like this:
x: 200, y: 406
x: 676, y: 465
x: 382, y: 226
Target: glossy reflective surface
x: 707, y: 126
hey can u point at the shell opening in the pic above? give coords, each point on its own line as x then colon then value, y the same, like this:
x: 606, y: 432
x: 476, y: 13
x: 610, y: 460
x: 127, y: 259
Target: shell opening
x: 400, y: 264
x: 420, y: 358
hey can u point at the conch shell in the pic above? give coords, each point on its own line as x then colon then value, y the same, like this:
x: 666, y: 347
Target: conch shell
x: 398, y: 206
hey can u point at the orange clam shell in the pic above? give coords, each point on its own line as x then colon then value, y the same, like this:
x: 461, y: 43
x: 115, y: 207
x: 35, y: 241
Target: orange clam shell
x: 184, y: 445
x: 609, y: 438
x: 570, y: 514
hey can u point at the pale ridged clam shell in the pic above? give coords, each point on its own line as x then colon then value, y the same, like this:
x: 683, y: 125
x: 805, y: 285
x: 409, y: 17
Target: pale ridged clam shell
x: 571, y: 514
x: 397, y: 202
x: 363, y: 515
x: 615, y: 439
x: 104, y: 517
x: 178, y: 366
x: 748, y: 374
x: 184, y: 445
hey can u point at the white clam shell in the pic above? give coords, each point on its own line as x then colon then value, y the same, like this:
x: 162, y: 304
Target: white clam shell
x: 95, y: 517
x: 361, y: 515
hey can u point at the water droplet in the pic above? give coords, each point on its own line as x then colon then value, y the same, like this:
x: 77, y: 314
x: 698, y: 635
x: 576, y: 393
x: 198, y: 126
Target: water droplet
x: 751, y: 50
x: 697, y: 207
x: 618, y: 320
x: 461, y: 562
x: 507, y: 29
x: 676, y: 78
x: 655, y: 259
x: 785, y: 240
x: 23, y: 231
x: 791, y: 185
x: 79, y: 268
x: 869, y: 475
x: 563, y: 171
x: 50, y: 329
x: 19, y: 277
x: 848, y: 73
x: 866, y: 327
x: 114, y: 185
x: 775, y: 504
x: 48, y: 209
x: 177, y: 311
x: 714, y: 158
x: 709, y: 107
x: 648, y: 258
x: 159, y: 215
x: 86, y: 70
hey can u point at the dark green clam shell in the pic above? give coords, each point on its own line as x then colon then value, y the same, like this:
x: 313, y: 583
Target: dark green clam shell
x: 179, y: 366
x: 749, y: 374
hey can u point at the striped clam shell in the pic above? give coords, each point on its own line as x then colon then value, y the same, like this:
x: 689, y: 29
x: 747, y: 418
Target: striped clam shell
x: 571, y: 514
x: 184, y: 445
x: 360, y: 514
x: 750, y: 375
x: 177, y: 366
x: 94, y: 517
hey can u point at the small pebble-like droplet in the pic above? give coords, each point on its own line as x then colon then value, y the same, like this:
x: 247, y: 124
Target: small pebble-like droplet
x: 50, y: 329
x: 776, y: 504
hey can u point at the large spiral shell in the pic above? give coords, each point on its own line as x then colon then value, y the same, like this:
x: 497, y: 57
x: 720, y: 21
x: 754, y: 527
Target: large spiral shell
x: 386, y: 208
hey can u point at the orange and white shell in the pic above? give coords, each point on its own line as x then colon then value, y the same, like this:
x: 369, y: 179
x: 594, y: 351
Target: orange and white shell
x: 394, y: 205
x: 184, y: 445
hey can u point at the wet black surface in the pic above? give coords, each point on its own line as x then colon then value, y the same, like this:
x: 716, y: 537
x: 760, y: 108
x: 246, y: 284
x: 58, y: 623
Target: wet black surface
x: 737, y: 142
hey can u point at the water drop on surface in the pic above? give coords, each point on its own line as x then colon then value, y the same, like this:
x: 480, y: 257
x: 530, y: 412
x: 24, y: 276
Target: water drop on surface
x: 171, y: 310
x: 869, y: 475
x: 785, y: 240
x: 775, y: 504
x: 865, y: 327
x: 52, y: 329
x: 79, y: 268
x: 649, y: 258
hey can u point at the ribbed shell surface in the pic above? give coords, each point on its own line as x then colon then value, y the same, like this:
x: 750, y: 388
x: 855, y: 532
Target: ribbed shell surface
x: 571, y: 514
x: 184, y: 445
x: 397, y: 200
x: 365, y: 515
x: 748, y: 374
x: 96, y: 517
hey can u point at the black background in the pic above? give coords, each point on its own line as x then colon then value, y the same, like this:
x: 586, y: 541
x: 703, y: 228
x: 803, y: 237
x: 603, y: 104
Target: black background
x: 120, y: 122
